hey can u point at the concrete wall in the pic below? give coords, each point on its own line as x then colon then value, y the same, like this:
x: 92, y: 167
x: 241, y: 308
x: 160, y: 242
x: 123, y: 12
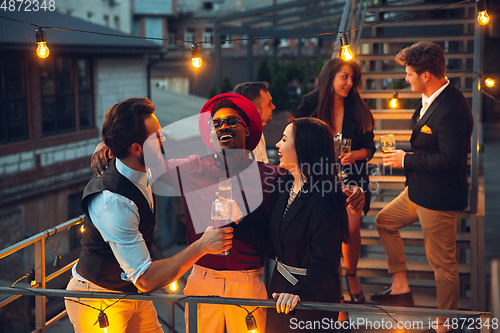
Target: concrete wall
x: 117, y: 79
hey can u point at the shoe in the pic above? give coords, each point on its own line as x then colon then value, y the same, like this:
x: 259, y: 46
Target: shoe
x: 358, y: 298
x: 386, y: 298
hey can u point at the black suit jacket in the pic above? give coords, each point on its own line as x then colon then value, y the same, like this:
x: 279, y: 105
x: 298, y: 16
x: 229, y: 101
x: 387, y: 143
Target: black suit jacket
x: 308, y: 237
x: 436, y: 171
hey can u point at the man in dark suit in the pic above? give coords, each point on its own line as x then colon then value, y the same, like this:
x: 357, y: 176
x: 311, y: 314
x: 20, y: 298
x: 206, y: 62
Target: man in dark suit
x: 436, y: 184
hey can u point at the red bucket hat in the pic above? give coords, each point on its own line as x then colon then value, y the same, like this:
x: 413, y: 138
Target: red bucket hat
x: 245, y: 105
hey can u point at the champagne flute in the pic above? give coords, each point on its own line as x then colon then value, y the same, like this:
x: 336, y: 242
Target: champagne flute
x: 225, y: 189
x: 388, y: 143
x: 221, y: 216
x: 345, y: 149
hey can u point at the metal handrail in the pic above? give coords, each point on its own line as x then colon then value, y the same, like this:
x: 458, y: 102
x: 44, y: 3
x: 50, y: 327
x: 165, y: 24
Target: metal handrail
x: 193, y: 301
x: 39, y: 254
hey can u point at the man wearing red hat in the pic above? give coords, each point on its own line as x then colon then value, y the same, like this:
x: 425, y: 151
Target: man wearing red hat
x: 230, y: 126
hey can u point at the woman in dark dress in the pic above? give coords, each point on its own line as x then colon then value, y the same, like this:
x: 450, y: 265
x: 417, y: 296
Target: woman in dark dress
x: 303, y: 229
x: 337, y: 102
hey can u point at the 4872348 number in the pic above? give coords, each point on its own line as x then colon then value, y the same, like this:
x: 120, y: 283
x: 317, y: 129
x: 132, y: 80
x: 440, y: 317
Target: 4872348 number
x: 471, y: 323
x: 27, y: 5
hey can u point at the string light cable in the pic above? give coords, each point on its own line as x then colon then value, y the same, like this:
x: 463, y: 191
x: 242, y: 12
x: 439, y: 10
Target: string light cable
x: 242, y: 39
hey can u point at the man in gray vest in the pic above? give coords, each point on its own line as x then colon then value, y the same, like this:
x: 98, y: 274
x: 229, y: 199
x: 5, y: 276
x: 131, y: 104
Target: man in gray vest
x: 119, y: 223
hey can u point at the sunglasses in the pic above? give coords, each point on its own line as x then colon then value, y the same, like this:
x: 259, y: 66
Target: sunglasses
x: 231, y: 121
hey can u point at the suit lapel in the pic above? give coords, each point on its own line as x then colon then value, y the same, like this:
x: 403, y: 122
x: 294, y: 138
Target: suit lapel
x: 278, y: 210
x: 420, y: 123
x: 293, y: 210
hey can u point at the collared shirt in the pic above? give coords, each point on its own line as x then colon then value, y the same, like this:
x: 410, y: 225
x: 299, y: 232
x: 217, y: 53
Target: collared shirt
x: 260, y: 151
x: 117, y: 219
x: 427, y: 101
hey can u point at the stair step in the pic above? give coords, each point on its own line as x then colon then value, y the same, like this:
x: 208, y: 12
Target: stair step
x: 392, y: 114
x: 388, y: 182
x: 415, y: 269
x: 410, y: 237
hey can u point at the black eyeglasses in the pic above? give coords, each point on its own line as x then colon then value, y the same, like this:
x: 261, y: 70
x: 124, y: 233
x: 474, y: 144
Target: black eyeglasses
x: 231, y: 121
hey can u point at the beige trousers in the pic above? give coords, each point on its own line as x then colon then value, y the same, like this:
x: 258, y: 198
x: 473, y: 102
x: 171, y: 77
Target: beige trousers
x: 124, y: 316
x: 241, y: 284
x: 439, y: 229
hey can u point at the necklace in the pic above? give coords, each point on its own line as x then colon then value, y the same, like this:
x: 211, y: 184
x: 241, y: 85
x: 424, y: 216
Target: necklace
x: 292, y: 197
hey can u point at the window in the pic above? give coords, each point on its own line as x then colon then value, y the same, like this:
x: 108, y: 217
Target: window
x: 189, y: 36
x: 208, y: 5
x: 244, y: 40
x: 207, y: 37
x: 66, y: 95
x: 172, y: 37
x: 106, y: 20
x: 13, y: 100
x: 227, y: 44
x: 117, y: 22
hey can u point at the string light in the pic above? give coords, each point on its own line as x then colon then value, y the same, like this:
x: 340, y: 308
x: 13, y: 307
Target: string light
x: 82, y: 228
x: 482, y: 17
x: 489, y: 82
x: 196, y: 56
x: 345, y: 48
x: 103, y: 320
x: 173, y: 286
x: 393, y: 103
x: 42, y: 50
x: 251, y: 323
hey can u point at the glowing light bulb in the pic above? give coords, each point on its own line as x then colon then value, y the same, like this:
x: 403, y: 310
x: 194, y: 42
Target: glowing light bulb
x: 483, y: 18
x: 196, y: 56
x: 105, y: 330
x: 346, y: 52
x: 173, y: 286
x: 393, y: 103
x: 489, y: 82
x: 42, y: 50
x: 82, y: 229
x: 196, y: 62
x: 33, y: 282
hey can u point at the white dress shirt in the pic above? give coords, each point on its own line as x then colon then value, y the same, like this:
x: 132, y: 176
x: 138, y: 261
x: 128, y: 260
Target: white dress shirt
x: 260, y: 151
x: 117, y: 219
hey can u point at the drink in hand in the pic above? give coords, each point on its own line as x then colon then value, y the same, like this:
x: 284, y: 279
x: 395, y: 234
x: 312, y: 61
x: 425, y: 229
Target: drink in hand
x: 225, y: 189
x: 388, y: 143
x: 221, y: 216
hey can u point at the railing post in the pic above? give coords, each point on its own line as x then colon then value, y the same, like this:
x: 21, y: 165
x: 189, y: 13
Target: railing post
x: 171, y: 316
x: 40, y: 314
x: 192, y: 315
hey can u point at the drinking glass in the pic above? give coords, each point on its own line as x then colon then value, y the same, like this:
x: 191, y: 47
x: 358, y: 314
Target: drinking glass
x: 345, y: 149
x: 225, y: 189
x: 388, y: 143
x: 221, y: 216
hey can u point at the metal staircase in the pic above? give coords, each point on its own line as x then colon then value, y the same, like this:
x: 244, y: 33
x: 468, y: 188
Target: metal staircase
x: 377, y: 46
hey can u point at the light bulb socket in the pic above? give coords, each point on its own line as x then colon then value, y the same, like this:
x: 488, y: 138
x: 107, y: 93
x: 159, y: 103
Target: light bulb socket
x: 40, y: 36
x: 57, y: 261
x: 481, y: 5
x: 344, y: 40
x: 31, y: 275
x: 103, y: 320
x: 395, y: 94
x: 195, y: 51
x: 251, y: 323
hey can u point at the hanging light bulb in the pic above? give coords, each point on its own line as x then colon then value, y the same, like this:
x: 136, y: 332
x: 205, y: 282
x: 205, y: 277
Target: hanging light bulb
x: 103, y: 320
x: 393, y: 103
x: 173, y: 286
x: 482, y: 17
x: 42, y: 50
x: 489, y: 82
x: 251, y: 323
x: 345, y: 48
x: 82, y: 228
x: 196, y: 56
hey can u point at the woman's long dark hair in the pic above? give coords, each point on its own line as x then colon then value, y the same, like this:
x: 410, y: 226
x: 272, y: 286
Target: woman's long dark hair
x: 353, y: 101
x: 316, y: 158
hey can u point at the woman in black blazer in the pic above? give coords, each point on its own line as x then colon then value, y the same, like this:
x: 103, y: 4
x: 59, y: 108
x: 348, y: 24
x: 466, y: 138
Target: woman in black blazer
x: 303, y: 228
x: 337, y: 102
